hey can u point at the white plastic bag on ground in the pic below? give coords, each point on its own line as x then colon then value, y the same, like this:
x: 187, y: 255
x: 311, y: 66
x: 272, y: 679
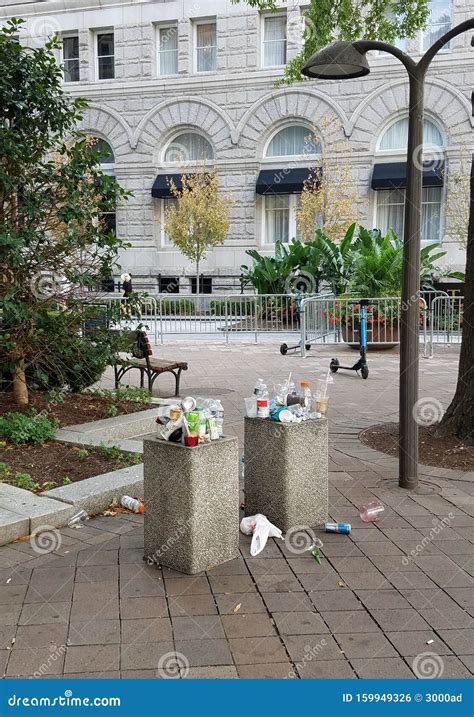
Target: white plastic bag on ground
x: 260, y: 527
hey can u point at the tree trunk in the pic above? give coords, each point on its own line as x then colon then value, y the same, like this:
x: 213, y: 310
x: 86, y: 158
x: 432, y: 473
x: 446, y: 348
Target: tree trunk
x: 197, y: 278
x: 20, y: 389
x: 459, y: 418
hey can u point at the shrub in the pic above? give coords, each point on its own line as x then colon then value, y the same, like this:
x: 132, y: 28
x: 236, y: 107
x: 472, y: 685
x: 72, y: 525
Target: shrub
x: 20, y: 428
x: 25, y: 481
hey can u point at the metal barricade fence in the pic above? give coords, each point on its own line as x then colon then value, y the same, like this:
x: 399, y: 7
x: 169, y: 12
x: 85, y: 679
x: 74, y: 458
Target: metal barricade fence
x: 98, y: 311
x: 445, y: 320
x: 336, y: 320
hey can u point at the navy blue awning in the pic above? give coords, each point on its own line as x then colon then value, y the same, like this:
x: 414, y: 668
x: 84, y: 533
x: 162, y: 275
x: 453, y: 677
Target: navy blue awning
x: 393, y: 175
x: 161, y: 186
x: 282, y: 181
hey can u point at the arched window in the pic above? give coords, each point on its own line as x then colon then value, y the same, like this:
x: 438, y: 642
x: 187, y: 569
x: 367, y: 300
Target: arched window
x: 291, y: 141
x: 395, y: 138
x: 189, y: 147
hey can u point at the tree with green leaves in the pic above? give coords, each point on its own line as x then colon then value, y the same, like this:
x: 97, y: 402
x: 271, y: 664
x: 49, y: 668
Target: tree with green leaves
x: 53, y: 202
x: 330, y: 20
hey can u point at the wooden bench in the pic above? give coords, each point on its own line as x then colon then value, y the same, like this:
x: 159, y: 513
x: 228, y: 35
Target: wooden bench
x: 143, y: 360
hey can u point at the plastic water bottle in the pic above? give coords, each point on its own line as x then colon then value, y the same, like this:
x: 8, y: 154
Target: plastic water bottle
x: 307, y: 398
x: 260, y: 390
x: 219, y: 413
x: 136, y: 506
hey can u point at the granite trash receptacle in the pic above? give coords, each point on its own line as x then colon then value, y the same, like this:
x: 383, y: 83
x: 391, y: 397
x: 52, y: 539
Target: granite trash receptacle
x: 191, y: 503
x: 286, y: 471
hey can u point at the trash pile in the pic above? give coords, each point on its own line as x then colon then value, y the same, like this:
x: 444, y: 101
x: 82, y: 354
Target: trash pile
x: 287, y: 404
x: 192, y: 421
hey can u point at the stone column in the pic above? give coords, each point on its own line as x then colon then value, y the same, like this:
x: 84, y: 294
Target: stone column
x: 286, y: 471
x: 191, y: 503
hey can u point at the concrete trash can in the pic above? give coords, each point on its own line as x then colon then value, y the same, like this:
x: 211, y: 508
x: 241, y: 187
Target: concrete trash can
x: 286, y: 471
x: 191, y: 503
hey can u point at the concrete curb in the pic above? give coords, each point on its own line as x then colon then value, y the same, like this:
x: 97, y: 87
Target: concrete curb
x: 96, y: 494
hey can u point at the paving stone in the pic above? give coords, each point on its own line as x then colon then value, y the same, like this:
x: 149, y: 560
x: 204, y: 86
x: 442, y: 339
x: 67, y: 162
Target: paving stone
x: 287, y: 602
x: 274, y: 670
x: 105, y: 609
x: 453, y: 668
x: 147, y: 630
x: 365, y: 581
x: 277, y: 583
x: 49, y: 593
x: 416, y: 642
x: 201, y: 653
x: 144, y: 655
x: 463, y: 596
x: 411, y: 580
x: 353, y: 565
x: 231, y: 584
x: 139, y: 674
x: 468, y: 661
x: 112, y: 675
x: 382, y: 599
x: 328, y: 580
x: 447, y: 618
x: 31, y: 662
x: 309, y: 648
x: 328, y: 600
x: 100, y: 591
x: 452, y: 579
x: 405, y: 619
x: 248, y: 602
x: 96, y: 573
x: 97, y: 556
x: 299, y: 623
x: 133, y: 608
x: 429, y: 598
x: 38, y: 636
x: 257, y: 650
x: 248, y: 625
x: 349, y: 621
x: 389, y: 667
x: 12, y: 594
x: 92, y: 658
x: 7, y: 633
x: 142, y: 586
x: 94, y: 632
x: 44, y: 614
x: 192, y: 605
x: 333, y: 669
x: 204, y: 627
x: 359, y: 644
x: 221, y: 672
x: 4, y: 655
x: 461, y: 642
x: 231, y: 567
x: 269, y: 566
x: 188, y: 586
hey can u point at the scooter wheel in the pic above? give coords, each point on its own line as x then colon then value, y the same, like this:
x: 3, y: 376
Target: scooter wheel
x: 334, y: 365
x: 283, y: 349
x: 364, y: 372
x: 307, y: 347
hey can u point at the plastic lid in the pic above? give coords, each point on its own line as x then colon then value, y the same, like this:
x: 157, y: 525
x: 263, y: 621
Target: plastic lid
x: 305, y: 384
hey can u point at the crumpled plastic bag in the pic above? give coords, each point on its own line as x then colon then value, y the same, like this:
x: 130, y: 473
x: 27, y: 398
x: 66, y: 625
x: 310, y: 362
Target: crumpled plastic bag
x: 260, y: 527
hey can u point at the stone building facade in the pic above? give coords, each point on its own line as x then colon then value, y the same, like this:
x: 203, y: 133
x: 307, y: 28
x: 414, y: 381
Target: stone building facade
x: 171, y: 83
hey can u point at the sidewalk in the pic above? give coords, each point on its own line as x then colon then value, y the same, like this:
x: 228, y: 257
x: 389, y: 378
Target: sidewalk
x: 391, y: 600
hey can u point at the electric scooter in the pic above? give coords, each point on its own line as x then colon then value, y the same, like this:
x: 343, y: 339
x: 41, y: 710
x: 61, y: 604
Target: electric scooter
x: 361, y: 364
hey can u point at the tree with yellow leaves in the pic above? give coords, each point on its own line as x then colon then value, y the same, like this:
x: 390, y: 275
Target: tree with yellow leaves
x: 329, y: 199
x: 200, y: 217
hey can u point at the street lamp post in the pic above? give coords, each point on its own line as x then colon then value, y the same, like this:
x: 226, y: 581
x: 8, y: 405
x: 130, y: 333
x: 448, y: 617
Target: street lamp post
x: 345, y: 60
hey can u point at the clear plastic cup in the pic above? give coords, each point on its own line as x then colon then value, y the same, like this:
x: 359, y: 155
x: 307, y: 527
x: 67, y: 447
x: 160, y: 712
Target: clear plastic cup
x: 251, y: 407
x: 371, y: 512
x: 322, y: 404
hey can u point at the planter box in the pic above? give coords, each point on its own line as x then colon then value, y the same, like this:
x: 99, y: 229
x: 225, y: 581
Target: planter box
x: 191, y: 503
x: 286, y: 471
x: 379, y: 336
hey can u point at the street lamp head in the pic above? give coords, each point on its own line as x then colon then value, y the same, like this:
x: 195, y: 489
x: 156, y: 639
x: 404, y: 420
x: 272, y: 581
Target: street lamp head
x: 339, y: 61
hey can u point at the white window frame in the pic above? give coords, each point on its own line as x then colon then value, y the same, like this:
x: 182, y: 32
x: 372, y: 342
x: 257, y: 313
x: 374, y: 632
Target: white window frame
x: 191, y: 162
x: 430, y: 150
x: 263, y: 19
x: 158, y: 29
x: 442, y: 205
x: 66, y: 36
x: 102, y: 31
x: 423, y: 33
x: 276, y: 158
x: 196, y: 24
x: 292, y: 206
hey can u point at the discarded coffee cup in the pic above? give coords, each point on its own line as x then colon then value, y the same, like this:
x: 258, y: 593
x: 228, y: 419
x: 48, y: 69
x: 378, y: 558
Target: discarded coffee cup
x: 371, y: 512
x: 251, y: 406
x: 188, y: 403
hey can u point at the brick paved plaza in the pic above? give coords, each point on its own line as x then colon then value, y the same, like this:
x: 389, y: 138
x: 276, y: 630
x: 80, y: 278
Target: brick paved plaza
x: 93, y: 608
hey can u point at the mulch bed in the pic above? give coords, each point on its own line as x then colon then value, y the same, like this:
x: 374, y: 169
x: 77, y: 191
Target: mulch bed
x: 53, y: 461
x: 76, y: 408
x: 441, y: 452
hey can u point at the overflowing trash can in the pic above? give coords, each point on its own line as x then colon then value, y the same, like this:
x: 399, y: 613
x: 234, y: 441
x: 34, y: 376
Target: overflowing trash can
x: 286, y: 471
x: 192, y: 503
